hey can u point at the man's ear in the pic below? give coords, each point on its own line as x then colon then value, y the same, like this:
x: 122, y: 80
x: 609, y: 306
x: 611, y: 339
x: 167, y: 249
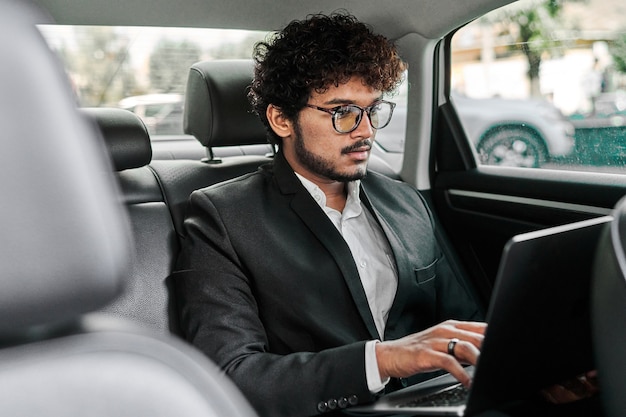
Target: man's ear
x: 278, y: 122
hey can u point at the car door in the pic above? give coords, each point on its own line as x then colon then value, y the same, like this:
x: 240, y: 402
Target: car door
x: 481, y: 204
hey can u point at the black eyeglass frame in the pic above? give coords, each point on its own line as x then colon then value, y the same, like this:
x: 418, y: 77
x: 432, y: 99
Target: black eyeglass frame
x: 334, y: 112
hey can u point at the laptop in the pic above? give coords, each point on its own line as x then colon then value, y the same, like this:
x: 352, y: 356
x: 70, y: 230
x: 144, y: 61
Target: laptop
x: 538, y: 333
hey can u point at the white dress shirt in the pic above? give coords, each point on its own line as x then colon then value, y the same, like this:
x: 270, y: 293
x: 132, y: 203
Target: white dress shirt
x: 373, y: 258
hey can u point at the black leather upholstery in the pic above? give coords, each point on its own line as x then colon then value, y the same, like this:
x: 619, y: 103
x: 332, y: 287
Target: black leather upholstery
x: 217, y: 111
x: 180, y: 178
x: 146, y: 296
x: 609, y: 312
x: 156, y: 195
x: 125, y: 135
x: 218, y: 114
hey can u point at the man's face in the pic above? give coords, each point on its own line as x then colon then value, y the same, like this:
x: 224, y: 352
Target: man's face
x: 317, y: 151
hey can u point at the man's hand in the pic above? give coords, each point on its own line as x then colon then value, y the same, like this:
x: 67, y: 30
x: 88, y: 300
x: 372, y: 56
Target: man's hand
x: 583, y: 386
x: 428, y: 351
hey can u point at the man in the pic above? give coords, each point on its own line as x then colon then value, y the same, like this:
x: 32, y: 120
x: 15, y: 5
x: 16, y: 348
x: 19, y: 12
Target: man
x: 315, y: 284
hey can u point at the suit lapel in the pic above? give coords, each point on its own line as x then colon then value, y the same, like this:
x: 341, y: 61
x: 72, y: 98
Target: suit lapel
x: 320, y: 225
x: 403, y: 264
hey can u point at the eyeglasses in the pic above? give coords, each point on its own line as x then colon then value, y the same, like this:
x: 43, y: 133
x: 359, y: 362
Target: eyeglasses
x: 346, y: 118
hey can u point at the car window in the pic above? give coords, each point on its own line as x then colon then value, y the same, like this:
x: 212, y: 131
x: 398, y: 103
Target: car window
x: 542, y: 84
x: 142, y: 69
x: 390, y: 140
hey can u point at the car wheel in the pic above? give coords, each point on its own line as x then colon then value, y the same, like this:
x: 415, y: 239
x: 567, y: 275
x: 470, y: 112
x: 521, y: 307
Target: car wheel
x: 514, y: 147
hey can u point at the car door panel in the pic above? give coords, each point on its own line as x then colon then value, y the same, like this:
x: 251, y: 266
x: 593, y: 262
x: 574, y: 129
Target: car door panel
x: 482, y: 207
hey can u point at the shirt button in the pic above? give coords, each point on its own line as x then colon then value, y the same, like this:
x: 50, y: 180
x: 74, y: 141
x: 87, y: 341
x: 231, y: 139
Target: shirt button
x: 353, y: 400
x: 332, y: 404
x: 343, y: 402
x: 363, y: 264
x: 322, y: 406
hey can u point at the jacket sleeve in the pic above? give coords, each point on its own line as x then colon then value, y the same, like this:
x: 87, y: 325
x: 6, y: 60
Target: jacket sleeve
x: 220, y: 315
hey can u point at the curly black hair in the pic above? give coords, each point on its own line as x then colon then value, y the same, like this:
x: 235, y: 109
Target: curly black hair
x: 314, y: 54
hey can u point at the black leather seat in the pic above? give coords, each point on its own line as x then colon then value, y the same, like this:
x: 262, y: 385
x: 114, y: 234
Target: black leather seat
x: 65, y: 250
x: 217, y: 114
x: 145, y: 298
x: 155, y: 193
x: 609, y: 312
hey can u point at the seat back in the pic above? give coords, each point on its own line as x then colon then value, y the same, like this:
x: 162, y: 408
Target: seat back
x: 609, y: 312
x: 65, y: 248
x: 145, y: 298
x: 63, y: 236
x: 155, y: 193
x: 217, y: 114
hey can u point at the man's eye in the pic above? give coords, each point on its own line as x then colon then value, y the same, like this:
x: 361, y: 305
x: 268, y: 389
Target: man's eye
x: 343, y: 111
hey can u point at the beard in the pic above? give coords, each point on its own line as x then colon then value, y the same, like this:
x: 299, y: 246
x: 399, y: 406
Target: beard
x: 325, y: 167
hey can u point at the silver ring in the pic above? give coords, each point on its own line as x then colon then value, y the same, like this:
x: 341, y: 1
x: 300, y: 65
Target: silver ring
x: 451, y: 345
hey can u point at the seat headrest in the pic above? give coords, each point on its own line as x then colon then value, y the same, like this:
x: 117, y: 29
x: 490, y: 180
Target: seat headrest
x: 125, y: 135
x: 217, y: 111
x: 64, y: 243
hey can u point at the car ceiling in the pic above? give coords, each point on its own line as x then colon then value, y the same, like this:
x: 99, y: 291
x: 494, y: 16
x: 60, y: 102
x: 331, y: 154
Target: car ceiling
x: 432, y: 19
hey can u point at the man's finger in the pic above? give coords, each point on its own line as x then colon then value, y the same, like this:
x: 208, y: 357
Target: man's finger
x: 451, y: 365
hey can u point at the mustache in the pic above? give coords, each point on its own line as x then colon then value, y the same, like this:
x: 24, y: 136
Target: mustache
x: 365, y: 143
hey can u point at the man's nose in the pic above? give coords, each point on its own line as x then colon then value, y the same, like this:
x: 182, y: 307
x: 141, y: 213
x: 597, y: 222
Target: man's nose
x: 364, y: 128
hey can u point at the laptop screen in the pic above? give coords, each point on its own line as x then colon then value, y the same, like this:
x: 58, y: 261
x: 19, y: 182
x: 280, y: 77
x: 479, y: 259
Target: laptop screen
x: 539, y: 330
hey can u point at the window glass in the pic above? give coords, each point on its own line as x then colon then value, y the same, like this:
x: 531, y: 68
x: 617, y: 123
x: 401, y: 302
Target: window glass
x: 142, y: 69
x: 542, y: 83
x: 389, y: 144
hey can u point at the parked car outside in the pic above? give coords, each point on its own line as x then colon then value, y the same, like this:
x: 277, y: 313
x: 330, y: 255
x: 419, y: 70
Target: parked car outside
x: 507, y: 132
x: 523, y: 133
x: 609, y: 110
x: 601, y: 134
x: 162, y: 113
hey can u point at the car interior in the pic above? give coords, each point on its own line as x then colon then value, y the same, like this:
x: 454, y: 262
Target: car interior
x: 93, y: 207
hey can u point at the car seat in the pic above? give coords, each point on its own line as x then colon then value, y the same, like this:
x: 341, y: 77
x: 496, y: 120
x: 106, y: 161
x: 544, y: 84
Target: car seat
x: 65, y: 249
x: 217, y: 114
x: 608, y: 301
x: 146, y: 297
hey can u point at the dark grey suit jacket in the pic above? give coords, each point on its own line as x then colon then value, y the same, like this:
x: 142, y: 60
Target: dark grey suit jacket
x: 268, y: 289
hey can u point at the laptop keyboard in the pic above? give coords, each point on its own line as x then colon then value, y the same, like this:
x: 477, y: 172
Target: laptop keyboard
x: 451, y: 396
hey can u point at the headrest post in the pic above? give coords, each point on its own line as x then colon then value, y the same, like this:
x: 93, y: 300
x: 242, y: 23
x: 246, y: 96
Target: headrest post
x: 211, y: 158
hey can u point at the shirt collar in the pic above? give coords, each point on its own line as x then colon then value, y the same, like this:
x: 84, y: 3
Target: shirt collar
x: 318, y: 195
